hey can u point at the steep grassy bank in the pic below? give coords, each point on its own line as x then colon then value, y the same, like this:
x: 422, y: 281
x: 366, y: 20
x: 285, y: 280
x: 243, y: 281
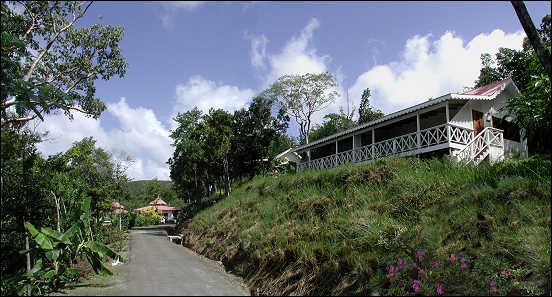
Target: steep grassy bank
x: 378, y: 227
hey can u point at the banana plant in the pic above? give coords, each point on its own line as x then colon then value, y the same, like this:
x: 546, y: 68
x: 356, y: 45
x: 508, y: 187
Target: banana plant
x: 63, y: 248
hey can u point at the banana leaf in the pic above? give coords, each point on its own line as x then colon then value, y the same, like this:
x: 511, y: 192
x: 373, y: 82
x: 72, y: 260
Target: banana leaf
x: 101, y: 249
x: 43, y: 241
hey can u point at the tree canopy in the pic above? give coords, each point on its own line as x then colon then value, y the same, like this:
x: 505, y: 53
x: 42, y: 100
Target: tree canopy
x: 49, y: 64
x: 300, y: 96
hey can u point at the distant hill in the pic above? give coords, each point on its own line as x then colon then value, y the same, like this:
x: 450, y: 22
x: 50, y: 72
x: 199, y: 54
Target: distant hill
x: 135, y: 186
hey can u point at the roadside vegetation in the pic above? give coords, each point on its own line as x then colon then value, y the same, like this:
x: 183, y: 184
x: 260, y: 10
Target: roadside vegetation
x: 389, y: 227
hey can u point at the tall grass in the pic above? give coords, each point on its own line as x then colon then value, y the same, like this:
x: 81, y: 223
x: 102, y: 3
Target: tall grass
x: 334, y: 231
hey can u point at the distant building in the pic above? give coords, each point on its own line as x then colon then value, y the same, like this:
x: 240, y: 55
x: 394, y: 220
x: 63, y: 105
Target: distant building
x: 119, y: 208
x: 169, y: 212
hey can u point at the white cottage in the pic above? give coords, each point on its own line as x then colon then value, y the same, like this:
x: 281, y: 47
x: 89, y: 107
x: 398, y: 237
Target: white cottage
x: 472, y: 126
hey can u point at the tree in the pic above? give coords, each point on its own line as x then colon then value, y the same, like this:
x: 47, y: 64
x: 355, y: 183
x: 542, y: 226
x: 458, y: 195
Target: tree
x: 533, y: 35
x: 49, y: 65
x: 302, y: 95
x: 365, y: 112
x: 333, y: 123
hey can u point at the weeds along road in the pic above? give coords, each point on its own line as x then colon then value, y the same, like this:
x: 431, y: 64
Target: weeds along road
x: 159, y: 267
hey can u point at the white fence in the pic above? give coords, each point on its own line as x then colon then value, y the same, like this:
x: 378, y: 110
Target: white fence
x: 398, y: 145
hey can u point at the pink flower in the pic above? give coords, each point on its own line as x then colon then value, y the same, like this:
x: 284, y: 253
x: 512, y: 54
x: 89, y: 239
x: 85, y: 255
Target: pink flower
x: 391, y: 268
x: 420, y: 256
x: 434, y: 264
x: 504, y: 272
x: 389, y: 275
x: 414, y: 265
x: 493, y: 289
x: 451, y: 259
x: 416, y: 284
x: 491, y: 283
x: 461, y: 259
x: 420, y: 271
x: 439, y: 289
x: 400, y: 261
x: 464, y: 265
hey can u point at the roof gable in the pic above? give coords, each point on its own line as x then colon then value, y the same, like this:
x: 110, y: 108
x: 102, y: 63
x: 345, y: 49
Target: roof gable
x: 488, y: 90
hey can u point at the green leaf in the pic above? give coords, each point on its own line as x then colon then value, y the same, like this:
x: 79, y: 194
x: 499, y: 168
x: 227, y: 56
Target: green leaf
x: 49, y: 274
x: 73, y: 271
x: 66, y: 237
x: 43, y: 241
x: 53, y: 255
x: 101, y: 249
x: 23, y: 252
x: 52, y: 233
x: 31, y: 229
x: 36, y: 267
x: 97, y: 265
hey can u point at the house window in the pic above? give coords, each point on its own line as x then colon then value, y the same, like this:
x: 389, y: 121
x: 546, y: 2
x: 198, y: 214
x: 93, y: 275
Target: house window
x: 511, y: 129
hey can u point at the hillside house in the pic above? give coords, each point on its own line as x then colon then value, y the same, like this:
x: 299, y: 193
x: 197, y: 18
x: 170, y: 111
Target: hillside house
x: 471, y: 126
x: 169, y: 212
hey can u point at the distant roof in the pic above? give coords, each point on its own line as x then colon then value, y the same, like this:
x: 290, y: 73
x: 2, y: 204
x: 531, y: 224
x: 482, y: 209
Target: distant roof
x: 117, y: 205
x: 158, y: 201
x: 159, y: 207
x: 488, y: 90
x: 119, y: 210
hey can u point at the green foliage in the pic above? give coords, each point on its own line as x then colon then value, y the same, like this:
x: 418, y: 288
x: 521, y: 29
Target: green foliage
x: 350, y: 223
x: 365, y: 112
x: 148, y: 217
x: 49, y: 64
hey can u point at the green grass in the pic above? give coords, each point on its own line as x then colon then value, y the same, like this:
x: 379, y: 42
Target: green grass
x: 333, y: 231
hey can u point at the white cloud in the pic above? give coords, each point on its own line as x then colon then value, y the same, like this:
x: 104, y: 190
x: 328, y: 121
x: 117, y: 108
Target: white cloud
x: 140, y: 136
x: 430, y: 68
x: 171, y: 8
x: 298, y: 56
x: 205, y: 94
x: 258, y: 49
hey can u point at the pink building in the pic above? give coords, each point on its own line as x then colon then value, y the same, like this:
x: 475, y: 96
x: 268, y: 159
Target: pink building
x: 169, y: 212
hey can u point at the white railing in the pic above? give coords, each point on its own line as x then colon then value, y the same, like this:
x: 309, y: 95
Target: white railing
x: 393, y: 146
x: 478, y: 148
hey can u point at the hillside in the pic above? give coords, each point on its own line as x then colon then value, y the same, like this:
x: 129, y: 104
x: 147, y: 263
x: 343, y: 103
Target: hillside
x: 136, y: 186
x: 394, y: 226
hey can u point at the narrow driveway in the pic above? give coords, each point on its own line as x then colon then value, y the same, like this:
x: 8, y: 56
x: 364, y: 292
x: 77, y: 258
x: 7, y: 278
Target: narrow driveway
x: 159, y: 267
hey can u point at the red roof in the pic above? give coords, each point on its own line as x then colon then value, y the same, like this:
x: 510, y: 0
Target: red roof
x: 117, y: 205
x: 160, y: 207
x: 158, y: 201
x: 487, y: 90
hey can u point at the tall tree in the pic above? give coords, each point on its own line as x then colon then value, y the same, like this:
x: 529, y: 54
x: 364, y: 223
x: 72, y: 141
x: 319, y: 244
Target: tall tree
x: 533, y: 35
x: 48, y: 64
x: 300, y: 96
x: 365, y: 112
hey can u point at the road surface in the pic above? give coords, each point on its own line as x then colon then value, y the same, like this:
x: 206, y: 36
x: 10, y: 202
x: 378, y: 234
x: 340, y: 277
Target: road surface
x: 159, y: 267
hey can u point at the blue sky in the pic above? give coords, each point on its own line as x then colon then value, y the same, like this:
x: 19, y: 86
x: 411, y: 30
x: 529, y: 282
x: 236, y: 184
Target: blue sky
x: 220, y: 54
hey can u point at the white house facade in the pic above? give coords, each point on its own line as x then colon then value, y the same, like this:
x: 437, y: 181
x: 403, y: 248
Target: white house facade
x: 472, y: 126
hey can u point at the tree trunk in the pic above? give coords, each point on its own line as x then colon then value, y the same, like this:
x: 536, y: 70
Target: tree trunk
x: 27, y: 256
x: 57, y: 210
x: 533, y: 35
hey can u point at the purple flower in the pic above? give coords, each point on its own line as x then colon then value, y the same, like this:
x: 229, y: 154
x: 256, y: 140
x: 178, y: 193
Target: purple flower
x: 504, y: 272
x: 491, y: 283
x: 439, y: 289
x: 434, y: 264
x: 463, y: 265
x: 420, y: 271
x: 493, y: 289
x: 400, y: 261
x: 389, y: 275
x: 416, y: 284
x: 451, y: 259
x: 461, y: 259
x: 391, y: 268
x: 414, y: 265
x: 420, y: 256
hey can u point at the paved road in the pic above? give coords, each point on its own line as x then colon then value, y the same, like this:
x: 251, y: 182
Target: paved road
x: 158, y: 267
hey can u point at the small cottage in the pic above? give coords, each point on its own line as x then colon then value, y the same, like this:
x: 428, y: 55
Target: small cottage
x: 169, y: 212
x: 472, y: 126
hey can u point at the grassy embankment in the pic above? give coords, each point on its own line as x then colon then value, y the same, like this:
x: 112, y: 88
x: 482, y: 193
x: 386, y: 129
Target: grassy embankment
x: 341, y: 231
